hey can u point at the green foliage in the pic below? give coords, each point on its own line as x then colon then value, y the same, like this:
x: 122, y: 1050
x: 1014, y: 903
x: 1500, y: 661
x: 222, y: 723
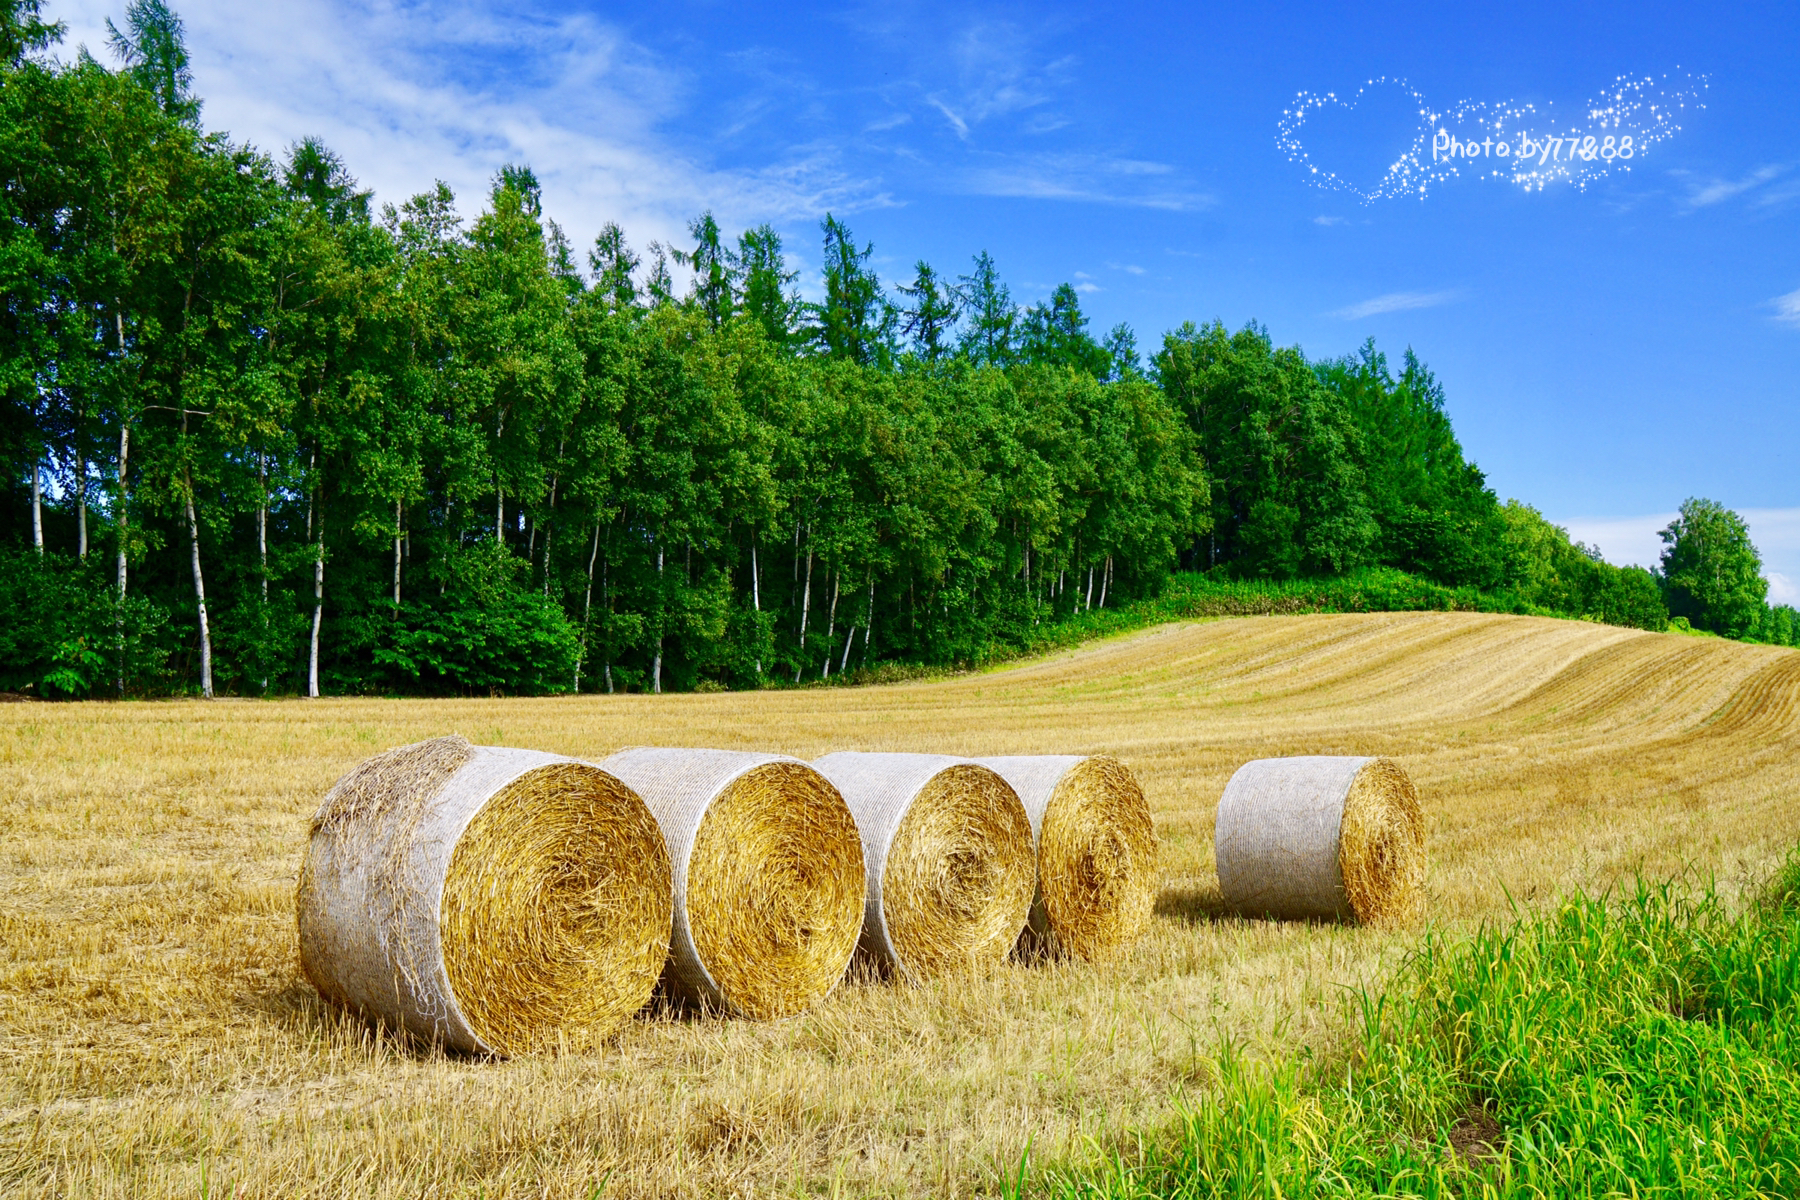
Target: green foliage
x: 1711, y: 573
x: 1637, y: 1045
x: 1436, y: 514
x: 67, y: 635
x: 1289, y: 496
x: 484, y: 632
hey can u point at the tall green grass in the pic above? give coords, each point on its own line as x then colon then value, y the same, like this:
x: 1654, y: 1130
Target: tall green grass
x: 1643, y: 1045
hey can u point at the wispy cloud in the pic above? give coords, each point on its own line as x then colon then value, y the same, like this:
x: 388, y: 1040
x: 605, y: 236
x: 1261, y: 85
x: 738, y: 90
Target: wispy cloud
x: 1787, y: 308
x: 951, y: 115
x: 449, y: 89
x: 1396, y: 302
x: 1703, y: 193
x: 1330, y: 221
x: 1089, y: 286
x: 1096, y: 178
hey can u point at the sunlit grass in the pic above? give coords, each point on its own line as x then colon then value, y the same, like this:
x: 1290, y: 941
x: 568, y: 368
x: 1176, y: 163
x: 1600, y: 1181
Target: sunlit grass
x: 1635, y: 1045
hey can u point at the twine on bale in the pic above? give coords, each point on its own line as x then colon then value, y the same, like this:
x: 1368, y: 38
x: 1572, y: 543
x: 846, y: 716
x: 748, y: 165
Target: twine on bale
x: 1096, y: 851
x: 495, y: 901
x: 768, y: 876
x: 950, y: 866
x: 1325, y: 837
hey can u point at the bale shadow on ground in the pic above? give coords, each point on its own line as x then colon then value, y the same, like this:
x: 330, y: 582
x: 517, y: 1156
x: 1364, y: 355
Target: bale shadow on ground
x: 1194, y: 904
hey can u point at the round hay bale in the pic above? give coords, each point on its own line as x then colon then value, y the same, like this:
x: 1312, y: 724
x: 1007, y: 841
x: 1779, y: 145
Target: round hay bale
x: 496, y: 901
x: 1337, y: 838
x: 950, y: 866
x: 767, y: 874
x: 1096, y: 850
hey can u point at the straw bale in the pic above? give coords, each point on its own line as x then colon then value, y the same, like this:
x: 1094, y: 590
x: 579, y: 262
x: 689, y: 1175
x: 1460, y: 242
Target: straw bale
x: 1327, y: 837
x: 768, y: 875
x: 950, y: 866
x: 1096, y: 850
x: 495, y: 901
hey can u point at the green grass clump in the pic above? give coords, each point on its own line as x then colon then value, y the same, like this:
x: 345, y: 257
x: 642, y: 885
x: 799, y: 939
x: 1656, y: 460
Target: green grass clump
x: 1642, y: 1045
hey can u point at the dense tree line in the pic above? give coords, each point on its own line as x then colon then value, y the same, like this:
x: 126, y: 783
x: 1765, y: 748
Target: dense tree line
x: 261, y: 437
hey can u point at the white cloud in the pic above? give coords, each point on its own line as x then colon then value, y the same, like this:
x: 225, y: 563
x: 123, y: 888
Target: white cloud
x: 1089, y: 286
x: 1396, y: 302
x: 443, y: 89
x: 1330, y: 221
x: 1775, y: 532
x: 1787, y: 308
x: 1627, y: 541
x: 1704, y: 193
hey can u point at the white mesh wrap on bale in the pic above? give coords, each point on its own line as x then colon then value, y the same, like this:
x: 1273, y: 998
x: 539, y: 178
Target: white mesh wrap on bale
x: 948, y: 852
x: 488, y: 899
x: 768, y: 878
x: 1096, y: 850
x: 1329, y: 837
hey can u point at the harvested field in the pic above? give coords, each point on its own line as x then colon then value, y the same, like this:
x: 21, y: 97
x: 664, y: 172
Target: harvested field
x: 159, y: 1040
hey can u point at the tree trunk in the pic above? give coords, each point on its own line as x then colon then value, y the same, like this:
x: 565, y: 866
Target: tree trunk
x: 805, y: 609
x: 262, y: 525
x: 869, y: 621
x: 312, y: 654
x: 206, y: 674
x: 587, y: 608
x: 837, y: 582
x: 1088, y: 601
x: 37, y: 506
x: 661, y: 604
x: 398, y: 516
x: 121, y: 523
x: 756, y: 597
x: 1105, y: 580
x: 81, y: 506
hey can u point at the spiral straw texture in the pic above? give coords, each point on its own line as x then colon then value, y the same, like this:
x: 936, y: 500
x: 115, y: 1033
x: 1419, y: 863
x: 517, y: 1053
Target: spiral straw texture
x: 497, y: 901
x: 950, y: 866
x: 768, y: 875
x: 1337, y: 838
x: 1096, y: 850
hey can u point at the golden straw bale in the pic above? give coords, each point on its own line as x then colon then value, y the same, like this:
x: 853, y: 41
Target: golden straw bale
x: 1096, y: 850
x: 768, y: 875
x: 494, y: 900
x: 951, y: 871
x: 1338, y: 838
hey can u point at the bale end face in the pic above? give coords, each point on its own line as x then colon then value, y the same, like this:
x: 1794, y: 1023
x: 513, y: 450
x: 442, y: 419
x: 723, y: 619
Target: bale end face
x: 958, y: 881
x: 1381, y: 847
x: 556, y: 910
x: 1322, y: 837
x: 1097, y: 860
x: 775, y: 889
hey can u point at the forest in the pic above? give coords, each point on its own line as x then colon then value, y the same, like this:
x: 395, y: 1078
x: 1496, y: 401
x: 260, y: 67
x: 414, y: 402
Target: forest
x: 263, y: 437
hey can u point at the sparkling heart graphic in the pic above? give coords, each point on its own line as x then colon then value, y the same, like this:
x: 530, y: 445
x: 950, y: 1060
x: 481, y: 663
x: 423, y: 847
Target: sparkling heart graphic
x: 1527, y: 145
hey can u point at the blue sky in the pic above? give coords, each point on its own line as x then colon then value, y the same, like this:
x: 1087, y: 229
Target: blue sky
x: 1607, y: 350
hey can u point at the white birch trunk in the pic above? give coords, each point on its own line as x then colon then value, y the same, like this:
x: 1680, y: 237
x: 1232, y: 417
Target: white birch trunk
x: 656, y: 668
x: 398, y: 515
x: 587, y: 608
x: 37, y: 506
x: 206, y: 674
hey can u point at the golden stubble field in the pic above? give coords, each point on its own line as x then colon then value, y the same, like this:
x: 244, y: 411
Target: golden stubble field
x: 158, y: 1039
